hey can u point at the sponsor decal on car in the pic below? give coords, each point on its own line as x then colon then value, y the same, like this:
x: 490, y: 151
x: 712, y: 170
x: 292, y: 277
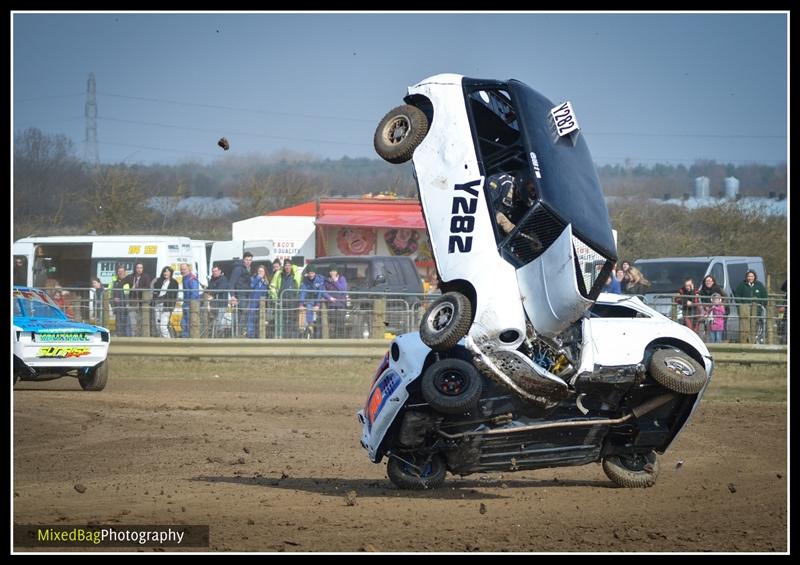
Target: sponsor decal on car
x: 63, y: 351
x: 380, y: 394
x: 61, y: 337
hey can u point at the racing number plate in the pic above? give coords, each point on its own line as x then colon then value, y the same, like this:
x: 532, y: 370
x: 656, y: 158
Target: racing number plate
x: 564, y: 122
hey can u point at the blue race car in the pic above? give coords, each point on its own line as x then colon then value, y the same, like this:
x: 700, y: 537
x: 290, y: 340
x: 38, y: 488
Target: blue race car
x: 48, y: 345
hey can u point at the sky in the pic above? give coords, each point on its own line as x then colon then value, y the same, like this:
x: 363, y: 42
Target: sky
x: 647, y: 88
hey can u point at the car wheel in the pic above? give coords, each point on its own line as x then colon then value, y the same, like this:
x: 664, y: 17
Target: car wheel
x: 678, y: 372
x: 637, y: 470
x: 446, y: 321
x: 416, y: 472
x: 95, y: 378
x: 400, y: 131
x: 452, y: 386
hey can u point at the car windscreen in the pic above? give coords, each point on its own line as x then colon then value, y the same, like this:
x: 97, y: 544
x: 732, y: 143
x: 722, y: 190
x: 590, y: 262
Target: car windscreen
x: 666, y: 277
x: 36, y: 309
x: 565, y: 177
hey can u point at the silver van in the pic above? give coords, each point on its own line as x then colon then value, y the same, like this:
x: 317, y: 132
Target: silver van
x: 667, y: 275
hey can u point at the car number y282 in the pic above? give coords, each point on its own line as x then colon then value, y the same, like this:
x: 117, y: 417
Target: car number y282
x: 564, y: 121
x: 462, y: 221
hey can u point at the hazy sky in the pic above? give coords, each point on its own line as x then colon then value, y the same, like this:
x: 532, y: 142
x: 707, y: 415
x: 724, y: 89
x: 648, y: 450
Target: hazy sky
x: 670, y: 88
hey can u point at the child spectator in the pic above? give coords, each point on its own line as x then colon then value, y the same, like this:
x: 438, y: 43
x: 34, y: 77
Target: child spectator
x: 717, y: 315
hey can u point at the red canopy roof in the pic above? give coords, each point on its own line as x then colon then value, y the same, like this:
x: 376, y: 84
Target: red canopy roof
x: 304, y: 209
x: 371, y: 213
x: 365, y: 212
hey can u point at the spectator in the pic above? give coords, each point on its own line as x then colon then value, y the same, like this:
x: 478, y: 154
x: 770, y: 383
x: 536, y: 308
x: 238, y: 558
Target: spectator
x: 626, y: 277
x: 191, y: 293
x: 716, y: 315
x: 274, y: 282
x: 240, y: 294
x: 750, y: 296
x: 138, y: 280
x: 120, y: 290
x: 288, y: 282
x: 310, y: 296
x: 165, y: 294
x: 63, y: 301
x: 612, y: 285
x: 96, y: 301
x: 20, y: 272
x: 336, y: 285
x: 637, y: 283
x: 218, y: 290
x: 707, y: 290
x: 260, y: 286
x: 687, y: 302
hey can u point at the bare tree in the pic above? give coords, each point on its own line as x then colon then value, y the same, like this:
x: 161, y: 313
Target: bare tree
x: 46, y: 176
x: 273, y: 191
x: 118, y: 201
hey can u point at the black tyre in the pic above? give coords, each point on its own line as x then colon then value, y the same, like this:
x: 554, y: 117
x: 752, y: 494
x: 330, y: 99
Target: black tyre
x: 678, y: 372
x: 639, y: 470
x: 446, y: 321
x: 452, y: 386
x: 416, y: 472
x: 400, y: 131
x: 95, y: 379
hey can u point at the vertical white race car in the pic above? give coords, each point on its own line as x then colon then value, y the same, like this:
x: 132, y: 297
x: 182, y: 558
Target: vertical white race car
x: 521, y: 349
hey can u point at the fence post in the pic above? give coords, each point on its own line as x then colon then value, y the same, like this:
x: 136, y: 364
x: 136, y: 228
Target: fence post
x: 145, y: 314
x: 262, y: 318
x: 106, y: 309
x: 323, y: 319
x: 194, y: 318
x: 378, y: 317
x: 769, y: 320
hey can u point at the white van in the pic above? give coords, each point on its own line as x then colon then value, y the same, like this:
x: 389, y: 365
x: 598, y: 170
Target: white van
x: 201, y: 256
x: 74, y: 260
x: 667, y: 274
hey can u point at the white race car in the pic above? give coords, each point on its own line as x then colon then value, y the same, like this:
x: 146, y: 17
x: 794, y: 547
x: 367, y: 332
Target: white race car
x: 518, y: 226
x: 48, y: 345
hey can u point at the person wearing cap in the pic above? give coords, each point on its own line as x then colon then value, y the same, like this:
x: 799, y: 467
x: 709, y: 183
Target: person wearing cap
x: 310, y: 297
x: 336, y: 298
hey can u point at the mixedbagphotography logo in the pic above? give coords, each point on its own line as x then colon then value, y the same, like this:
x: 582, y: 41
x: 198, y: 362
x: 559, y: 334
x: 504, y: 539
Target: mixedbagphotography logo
x: 128, y: 535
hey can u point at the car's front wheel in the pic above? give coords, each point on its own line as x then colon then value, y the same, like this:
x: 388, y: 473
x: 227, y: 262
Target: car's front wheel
x: 446, y: 321
x: 676, y: 371
x: 636, y: 470
x: 416, y: 472
x: 452, y: 386
x: 400, y: 131
x: 95, y: 378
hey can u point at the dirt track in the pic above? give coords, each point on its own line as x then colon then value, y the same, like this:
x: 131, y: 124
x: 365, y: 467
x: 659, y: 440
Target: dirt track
x: 268, y: 455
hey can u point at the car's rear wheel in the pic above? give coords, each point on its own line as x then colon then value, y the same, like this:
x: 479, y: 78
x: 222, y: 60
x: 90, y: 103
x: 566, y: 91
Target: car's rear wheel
x: 416, y: 472
x: 677, y: 371
x: 452, y: 386
x: 95, y: 378
x: 400, y: 131
x: 637, y: 470
x: 446, y: 321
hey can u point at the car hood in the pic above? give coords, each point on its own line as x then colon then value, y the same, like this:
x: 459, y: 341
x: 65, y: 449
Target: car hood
x: 48, y: 324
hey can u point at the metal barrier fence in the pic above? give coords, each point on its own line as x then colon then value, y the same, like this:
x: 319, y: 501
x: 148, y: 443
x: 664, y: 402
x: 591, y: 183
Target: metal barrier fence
x: 318, y: 315
x: 367, y: 315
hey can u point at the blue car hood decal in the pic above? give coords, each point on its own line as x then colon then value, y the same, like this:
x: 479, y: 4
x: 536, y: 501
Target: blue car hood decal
x: 45, y: 324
